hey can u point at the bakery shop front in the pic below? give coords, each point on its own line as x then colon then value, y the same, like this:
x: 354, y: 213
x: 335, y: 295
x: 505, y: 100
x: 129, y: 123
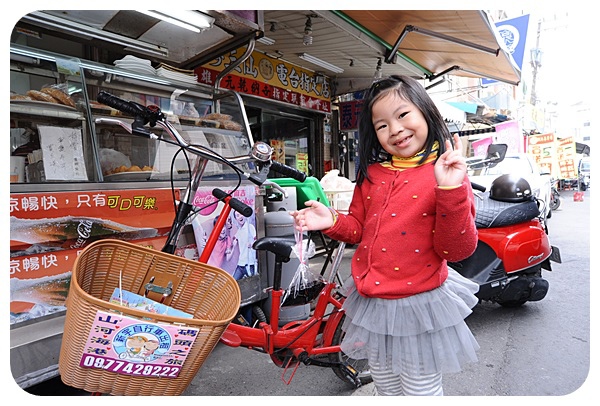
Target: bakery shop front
x: 75, y: 180
x: 287, y: 106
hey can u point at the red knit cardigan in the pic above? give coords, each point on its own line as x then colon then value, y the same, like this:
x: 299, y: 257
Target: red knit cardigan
x: 406, y: 228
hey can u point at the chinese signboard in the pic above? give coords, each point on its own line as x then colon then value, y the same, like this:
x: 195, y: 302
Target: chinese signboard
x: 48, y: 230
x: 270, y: 78
x: 557, y: 156
x: 349, y: 113
x: 129, y: 346
x: 565, y: 157
x: 541, y: 147
x: 509, y: 133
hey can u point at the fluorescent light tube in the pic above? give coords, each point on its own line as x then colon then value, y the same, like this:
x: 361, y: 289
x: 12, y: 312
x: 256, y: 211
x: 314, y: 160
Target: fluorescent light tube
x: 188, y: 19
x: 266, y: 40
x: 321, y: 63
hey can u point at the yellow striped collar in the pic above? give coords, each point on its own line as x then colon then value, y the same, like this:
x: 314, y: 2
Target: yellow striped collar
x: 399, y: 164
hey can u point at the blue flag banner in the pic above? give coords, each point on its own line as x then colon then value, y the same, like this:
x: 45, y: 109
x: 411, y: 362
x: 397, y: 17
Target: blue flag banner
x: 514, y: 34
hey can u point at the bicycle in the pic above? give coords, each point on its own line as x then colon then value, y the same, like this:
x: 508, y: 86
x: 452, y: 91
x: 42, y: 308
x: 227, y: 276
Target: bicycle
x: 312, y: 341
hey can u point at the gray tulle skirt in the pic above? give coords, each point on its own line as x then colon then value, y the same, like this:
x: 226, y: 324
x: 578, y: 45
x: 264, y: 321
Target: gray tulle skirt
x: 417, y: 335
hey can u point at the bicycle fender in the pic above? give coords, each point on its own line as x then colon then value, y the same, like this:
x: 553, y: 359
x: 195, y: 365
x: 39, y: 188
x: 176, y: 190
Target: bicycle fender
x: 332, y: 322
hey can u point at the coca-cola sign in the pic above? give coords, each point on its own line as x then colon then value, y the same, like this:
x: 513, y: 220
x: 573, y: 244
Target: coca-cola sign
x: 84, y: 231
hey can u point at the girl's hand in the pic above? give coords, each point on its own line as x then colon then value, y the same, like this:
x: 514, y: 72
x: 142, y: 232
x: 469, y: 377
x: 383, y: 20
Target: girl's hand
x: 451, y: 167
x: 315, y: 217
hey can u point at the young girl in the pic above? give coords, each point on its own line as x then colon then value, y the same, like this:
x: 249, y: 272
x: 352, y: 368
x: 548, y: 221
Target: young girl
x: 411, y: 212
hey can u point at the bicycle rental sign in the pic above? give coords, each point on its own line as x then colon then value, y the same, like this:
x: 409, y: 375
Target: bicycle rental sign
x: 129, y: 346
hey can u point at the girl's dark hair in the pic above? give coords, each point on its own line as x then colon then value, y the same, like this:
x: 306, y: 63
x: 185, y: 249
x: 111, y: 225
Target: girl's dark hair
x: 369, y: 149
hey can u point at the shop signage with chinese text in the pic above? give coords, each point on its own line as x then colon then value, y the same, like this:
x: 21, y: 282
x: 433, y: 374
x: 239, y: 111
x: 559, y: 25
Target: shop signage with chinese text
x: 270, y: 78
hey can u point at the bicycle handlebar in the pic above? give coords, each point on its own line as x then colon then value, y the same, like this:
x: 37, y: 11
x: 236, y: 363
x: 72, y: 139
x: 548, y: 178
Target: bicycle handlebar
x: 134, y: 109
x: 152, y: 115
x: 235, y: 204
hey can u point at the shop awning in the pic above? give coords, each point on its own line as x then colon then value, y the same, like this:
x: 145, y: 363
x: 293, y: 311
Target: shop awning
x: 466, y: 107
x: 457, y: 42
x: 450, y: 113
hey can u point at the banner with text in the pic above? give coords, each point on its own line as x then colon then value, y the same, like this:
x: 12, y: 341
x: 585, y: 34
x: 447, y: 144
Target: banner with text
x: 270, y: 78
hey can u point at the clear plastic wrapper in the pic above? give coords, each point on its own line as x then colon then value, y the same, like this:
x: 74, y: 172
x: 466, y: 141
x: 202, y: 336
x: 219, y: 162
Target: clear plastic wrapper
x: 306, y: 284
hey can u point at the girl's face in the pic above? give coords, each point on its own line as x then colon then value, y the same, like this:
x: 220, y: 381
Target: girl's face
x: 400, y: 126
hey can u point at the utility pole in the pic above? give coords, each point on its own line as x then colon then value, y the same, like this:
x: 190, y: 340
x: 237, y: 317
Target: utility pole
x: 536, y: 63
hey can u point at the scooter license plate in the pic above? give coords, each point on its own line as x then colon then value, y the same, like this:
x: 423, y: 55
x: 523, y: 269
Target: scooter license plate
x: 555, y: 256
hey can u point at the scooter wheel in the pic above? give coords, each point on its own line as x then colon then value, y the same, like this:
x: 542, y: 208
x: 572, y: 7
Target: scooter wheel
x: 512, y: 303
x: 554, y: 203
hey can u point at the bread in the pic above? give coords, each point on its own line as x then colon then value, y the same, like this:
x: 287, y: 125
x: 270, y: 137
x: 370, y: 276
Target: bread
x: 41, y: 96
x: 19, y: 97
x: 218, y: 117
x: 59, y: 95
x: 232, y: 125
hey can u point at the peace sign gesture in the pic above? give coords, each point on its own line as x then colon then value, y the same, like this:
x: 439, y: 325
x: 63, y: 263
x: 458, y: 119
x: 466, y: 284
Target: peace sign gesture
x: 451, y: 167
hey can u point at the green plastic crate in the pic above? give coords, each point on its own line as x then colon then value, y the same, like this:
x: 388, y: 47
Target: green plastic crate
x: 310, y: 189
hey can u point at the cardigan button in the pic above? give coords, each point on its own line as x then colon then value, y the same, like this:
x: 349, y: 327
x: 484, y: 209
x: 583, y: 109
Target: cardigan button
x: 376, y: 283
x: 383, y: 250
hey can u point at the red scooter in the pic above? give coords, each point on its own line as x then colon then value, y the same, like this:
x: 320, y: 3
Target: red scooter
x: 513, y: 245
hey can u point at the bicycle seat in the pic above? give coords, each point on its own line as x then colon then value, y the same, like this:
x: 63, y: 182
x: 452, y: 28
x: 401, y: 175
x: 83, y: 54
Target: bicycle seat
x: 280, y: 246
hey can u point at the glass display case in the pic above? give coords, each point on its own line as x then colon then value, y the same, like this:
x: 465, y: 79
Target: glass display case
x: 47, y: 114
x: 41, y: 127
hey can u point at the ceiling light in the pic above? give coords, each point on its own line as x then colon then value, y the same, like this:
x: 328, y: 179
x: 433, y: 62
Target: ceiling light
x: 59, y: 24
x: 321, y: 63
x: 266, y: 40
x: 188, y: 19
x: 307, y: 39
x: 378, y: 74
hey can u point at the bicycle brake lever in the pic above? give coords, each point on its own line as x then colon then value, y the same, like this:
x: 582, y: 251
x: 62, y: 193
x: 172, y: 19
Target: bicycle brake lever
x: 276, y: 186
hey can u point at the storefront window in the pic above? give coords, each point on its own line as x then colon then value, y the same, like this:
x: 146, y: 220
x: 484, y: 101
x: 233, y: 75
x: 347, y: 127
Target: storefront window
x: 289, y: 138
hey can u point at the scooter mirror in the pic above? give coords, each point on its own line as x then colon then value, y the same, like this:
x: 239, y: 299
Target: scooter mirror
x: 495, y: 154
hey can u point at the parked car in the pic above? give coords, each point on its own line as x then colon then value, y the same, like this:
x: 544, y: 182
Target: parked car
x: 584, y: 173
x: 525, y: 166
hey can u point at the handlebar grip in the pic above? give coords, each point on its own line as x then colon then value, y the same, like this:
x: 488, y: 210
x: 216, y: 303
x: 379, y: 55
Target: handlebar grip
x: 477, y: 186
x: 124, y: 106
x: 234, y: 203
x: 288, y: 171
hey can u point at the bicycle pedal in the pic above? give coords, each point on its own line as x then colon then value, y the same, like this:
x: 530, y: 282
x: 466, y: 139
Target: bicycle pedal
x: 352, y: 375
x: 241, y: 320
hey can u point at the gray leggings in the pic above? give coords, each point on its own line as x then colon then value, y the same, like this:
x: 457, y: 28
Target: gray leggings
x: 388, y: 383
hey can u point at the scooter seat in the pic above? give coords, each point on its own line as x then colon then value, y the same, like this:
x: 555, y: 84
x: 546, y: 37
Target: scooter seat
x: 491, y: 213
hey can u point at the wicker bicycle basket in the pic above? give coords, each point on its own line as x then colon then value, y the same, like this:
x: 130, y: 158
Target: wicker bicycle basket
x: 210, y: 295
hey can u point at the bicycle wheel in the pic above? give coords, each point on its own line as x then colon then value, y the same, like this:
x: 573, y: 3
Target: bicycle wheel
x: 361, y: 366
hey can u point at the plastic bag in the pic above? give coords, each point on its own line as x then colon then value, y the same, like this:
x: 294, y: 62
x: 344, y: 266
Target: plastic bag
x: 306, y: 284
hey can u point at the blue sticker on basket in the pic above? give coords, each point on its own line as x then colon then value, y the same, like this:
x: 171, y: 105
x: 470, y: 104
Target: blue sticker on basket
x: 129, y: 346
